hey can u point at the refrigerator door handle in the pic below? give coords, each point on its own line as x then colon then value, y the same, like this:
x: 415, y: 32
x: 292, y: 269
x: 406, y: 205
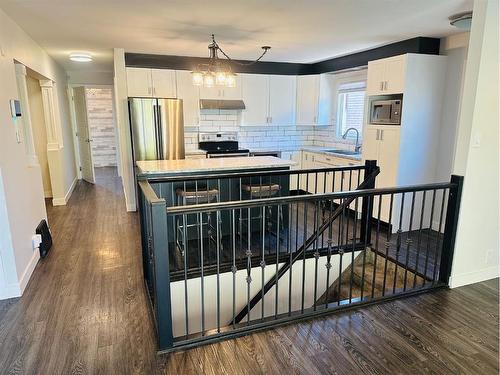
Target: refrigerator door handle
x: 159, y: 137
x: 155, y: 119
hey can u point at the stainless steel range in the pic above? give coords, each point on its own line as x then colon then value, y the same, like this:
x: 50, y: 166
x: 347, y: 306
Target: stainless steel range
x: 219, y: 145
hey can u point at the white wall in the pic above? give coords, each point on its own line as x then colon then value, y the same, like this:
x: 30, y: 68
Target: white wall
x: 82, y: 77
x: 22, y: 204
x: 477, y: 155
x: 455, y: 48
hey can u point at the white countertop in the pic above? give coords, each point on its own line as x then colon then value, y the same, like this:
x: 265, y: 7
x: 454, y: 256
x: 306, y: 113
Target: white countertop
x: 211, y: 165
x: 323, y: 150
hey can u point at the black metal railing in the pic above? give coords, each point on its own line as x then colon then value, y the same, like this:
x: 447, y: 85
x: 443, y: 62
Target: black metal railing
x: 247, y: 264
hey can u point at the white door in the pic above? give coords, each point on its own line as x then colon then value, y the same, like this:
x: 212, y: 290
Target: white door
x: 139, y: 82
x: 388, y: 157
x: 190, y: 95
x: 376, y: 77
x: 255, y: 90
x: 232, y: 93
x: 307, y: 99
x: 395, y: 71
x: 163, y: 83
x: 84, y: 139
x: 371, y: 142
x: 282, y: 93
x: 325, y: 99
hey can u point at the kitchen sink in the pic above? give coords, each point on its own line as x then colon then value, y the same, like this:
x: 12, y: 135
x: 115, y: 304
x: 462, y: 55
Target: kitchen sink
x: 342, y: 152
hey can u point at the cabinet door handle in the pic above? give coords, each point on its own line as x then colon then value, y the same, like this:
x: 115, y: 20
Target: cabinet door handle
x: 385, y: 86
x: 149, y: 90
x: 381, y: 135
x: 381, y: 85
x: 377, y: 134
x: 270, y: 120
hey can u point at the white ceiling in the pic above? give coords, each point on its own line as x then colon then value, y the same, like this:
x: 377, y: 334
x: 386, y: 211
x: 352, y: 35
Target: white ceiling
x: 298, y: 31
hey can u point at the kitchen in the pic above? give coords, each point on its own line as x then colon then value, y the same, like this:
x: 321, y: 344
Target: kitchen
x: 319, y: 173
x: 369, y: 112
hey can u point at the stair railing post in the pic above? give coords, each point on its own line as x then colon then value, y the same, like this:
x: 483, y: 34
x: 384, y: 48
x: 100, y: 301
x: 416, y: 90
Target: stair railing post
x: 450, y: 228
x: 162, y: 274
x: 367, y: 205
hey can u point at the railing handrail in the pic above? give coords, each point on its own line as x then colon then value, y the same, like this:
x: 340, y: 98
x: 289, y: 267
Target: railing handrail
x: 149, y: 193
x: 258, y: 173
x: 208, y: 207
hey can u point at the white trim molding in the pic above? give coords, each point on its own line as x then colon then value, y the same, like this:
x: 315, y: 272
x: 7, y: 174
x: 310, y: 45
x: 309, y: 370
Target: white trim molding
x: 67, y: 196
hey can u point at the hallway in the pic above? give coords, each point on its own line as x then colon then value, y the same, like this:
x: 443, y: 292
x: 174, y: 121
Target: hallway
x: 85, y: 311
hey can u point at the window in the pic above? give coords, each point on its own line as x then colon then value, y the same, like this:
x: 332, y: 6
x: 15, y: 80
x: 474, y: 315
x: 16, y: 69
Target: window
x: 350, y: 110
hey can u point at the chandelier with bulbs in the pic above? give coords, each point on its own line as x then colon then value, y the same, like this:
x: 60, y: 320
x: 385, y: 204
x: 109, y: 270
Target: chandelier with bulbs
x: 217, y: 72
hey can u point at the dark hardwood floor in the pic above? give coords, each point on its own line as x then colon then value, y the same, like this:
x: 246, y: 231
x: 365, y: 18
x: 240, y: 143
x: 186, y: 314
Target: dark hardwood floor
x: 85, y: 311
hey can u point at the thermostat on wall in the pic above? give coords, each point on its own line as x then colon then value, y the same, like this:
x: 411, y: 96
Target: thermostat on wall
x: 15, y: 108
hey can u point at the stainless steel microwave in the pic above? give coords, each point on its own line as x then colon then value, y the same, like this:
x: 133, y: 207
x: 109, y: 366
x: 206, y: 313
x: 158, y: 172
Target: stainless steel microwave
x: 385, y: 112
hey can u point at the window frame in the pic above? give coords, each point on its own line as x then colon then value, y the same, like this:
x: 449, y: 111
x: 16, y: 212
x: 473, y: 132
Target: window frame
x: 341, y: 80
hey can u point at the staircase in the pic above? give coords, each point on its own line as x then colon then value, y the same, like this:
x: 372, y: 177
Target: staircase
x: 369, y: 281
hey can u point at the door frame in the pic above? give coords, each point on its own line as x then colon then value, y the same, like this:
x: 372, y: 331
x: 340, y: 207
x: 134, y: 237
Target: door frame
x: 76, y: 148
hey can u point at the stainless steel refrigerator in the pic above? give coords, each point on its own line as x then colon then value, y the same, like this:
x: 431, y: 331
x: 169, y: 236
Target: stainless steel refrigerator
x: 157, y: 127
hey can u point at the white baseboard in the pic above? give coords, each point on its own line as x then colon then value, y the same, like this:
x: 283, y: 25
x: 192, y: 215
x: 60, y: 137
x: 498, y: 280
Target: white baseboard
x: 131, y: 207
x: 474, y: 277
x: 29, y: 270
x: 63, y: 201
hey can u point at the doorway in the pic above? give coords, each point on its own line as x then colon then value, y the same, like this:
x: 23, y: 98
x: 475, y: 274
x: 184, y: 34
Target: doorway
x: 39, y: 131
x: 96, y: 131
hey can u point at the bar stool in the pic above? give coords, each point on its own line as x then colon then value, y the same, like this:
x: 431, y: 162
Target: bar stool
x: 258, y: 192
x: 197, y: 196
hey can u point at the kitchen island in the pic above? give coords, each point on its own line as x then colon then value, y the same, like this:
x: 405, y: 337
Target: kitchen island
x: 192, y: 181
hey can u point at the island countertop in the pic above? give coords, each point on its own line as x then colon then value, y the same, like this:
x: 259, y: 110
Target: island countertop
x: 187, y: 166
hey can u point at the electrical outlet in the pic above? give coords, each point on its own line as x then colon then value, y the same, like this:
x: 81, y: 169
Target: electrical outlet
x: 36, y: 240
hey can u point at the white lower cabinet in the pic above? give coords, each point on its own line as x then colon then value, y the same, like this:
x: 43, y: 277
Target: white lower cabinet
x: 382, y: 143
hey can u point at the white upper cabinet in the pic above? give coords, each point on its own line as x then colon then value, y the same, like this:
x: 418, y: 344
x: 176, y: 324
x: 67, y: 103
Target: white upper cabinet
x: 307, y: 100
x: 220, y: 93
x: 190, y: 96
x: 282, y: 92
x: 151, y: 83
x: 255, y: 93
x: 139, y: 82
x: 386, y: 76
x: 164, y: 85
x: 326, y: 99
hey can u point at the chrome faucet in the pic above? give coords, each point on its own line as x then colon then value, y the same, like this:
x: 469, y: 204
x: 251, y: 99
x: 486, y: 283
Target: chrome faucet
x: 357, y: 148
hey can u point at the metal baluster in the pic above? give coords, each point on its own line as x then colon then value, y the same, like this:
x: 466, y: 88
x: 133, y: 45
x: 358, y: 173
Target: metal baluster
x: 263, y: 261
x: 409, y: 240
x: 290, y: 257
x: 304, y: 252
x: 218, y: 234
x: 438, y: 240
x: 341, y: 249
x: 419, y: 239
x: 249, y: 268
x: 240, y: 220
x: 202, y: 275
x: 233, y: 268
x: 387, y: 243
x: 428, y: 242
x: 398, y: 243
x: 365, y: 244
x: 376, y: 246
x: 316, y: 252
x: 184, y: 243
x: 328, y: 264
x: 277, y: 261
x: 353, y: 247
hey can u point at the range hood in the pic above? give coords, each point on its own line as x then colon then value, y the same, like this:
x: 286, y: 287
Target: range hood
x: 222, y: 104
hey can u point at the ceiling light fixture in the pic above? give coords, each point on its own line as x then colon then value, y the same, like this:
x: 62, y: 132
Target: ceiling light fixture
x: 461, y: 20
x: 217, y: 72
x: 80, y: 57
